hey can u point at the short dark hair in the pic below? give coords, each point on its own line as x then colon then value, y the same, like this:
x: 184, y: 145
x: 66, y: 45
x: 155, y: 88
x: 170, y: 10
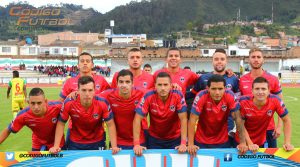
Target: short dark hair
x: 177, y: 49
x: 255, y: 49
x: 15, y: 74
x: 260, y: 80
x: 187, y: 67
x: 85, y: 80
x: 163, y: 75
x: 86, y: 53
x: 220, y: 50
x: 124, y: 73
x: 147, y: 65
x: 36, y: 92
x: 216, y: 78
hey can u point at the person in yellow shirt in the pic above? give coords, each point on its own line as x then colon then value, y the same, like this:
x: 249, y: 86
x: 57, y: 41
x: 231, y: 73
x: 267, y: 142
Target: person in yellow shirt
x: 18, y: 87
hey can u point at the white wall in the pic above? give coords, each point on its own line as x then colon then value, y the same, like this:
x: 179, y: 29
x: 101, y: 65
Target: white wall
x: 13, y: 50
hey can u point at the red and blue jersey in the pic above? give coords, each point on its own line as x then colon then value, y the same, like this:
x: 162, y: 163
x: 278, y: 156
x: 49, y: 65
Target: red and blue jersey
x: 164, y: 120
x: 144, y: 81
x: 183, y: 77
x: 212, y: 124
x: 246, y: 88
x: 43, y: 128
x: 71, y: 85
x: 232, y: 83
x: 123, y: 110
x: 86, y: 123
x: 257, y: 120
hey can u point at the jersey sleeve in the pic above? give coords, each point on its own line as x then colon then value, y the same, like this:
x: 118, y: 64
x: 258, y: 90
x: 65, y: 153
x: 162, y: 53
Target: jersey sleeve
x: 64, y: 114
x: 232, y: 103
x: 197, y: 86
x: 105, y: 85
x: 114, y: 81
x: 65, y: 91
x: 24, y: 82
x: 193, y: 79
x: 143, y: 106
x: 181, y: 104
x: 17, y: 124
x: 276, y: 87
x: 9, y: 84
x: 107, y: 112
x: 281, y: 110
x: 198, y: 103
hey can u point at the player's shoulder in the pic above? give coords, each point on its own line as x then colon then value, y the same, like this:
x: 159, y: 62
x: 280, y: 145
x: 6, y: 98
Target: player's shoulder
x: 245, y: 98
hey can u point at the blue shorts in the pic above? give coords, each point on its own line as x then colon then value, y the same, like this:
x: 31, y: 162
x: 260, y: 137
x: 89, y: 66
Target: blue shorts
x: 271, y: 142
x: 100, y: 145
x: 154, y: 143
x: 222, y: 145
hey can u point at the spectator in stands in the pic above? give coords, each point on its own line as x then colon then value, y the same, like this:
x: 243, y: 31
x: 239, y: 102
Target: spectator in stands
x: 256, y: 61
x: 147, y: 68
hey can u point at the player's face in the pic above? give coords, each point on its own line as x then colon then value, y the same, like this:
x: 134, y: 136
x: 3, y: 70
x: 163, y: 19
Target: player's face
x: 86, y: 93
x: 173, y: 59
x: 148, y: 70
x: 260, y: 91
x: 256, y: 60
x: 135, y: 60
x: 219, y: 62
x: 163, y: 86
x: 85, y: 64
x: 216, y: 90
x: 125, y: 85
x: 38, y: 105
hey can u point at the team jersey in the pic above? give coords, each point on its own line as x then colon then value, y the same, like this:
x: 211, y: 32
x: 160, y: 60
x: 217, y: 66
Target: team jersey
x: 212, y: 124
x: 123, y: 110
x: 164, y: 120
x: 246, y: 83
x: 257, y: 120
x: 183, y: 77
x: 246, y: 88
x: 86, y: 123
x: 71, y: 85
x: 232, y: 83
x: 143, y: 81
x: 43, y: 128
x: 16, y: 85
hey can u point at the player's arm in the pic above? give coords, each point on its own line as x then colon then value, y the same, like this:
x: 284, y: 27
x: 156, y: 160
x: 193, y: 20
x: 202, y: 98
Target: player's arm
x: 192, y: 148
x: 112, y: 135
x: 183, y: 130
x: 287, y: 130
x: 4, y: 134
x: 59, y: 132
x: 251, y: 146
x: 24, y: 91
x: 242, y: 147
x: 8, y: 89
x: 138, y: 149
x: 278, y: 127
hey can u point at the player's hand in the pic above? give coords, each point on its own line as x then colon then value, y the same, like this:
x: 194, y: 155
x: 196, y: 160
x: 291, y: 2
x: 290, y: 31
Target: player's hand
x: 181, y: 148
x: 115, y: 150
x: 253, y: 148
x: 242, y: 148
x: 72, y: 95
x: 192, y: 150
x: 288, y: 147
x: 176, y: 86
x: 138, y: 150
x: 230, y: 72
x: 276, y: 133
x: 54, y: 150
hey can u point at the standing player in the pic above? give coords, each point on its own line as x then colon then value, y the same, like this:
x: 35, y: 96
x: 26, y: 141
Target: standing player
x: 219, y: 62
x: 181, y: 78
x: 87, y: 113
x: 211, y: 108
x: 141, y: 79
x: 41, y: 117
x: 85, y: 65
x: 168, y: 118
x: 123, y: 101
x: 257, y: 111
x: 18, y: 86
x: 147, y: 68
x: 256, y: 61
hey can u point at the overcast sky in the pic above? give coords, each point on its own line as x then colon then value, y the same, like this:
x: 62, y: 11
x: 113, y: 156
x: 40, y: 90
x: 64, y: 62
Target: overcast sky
x: 102, y: 6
